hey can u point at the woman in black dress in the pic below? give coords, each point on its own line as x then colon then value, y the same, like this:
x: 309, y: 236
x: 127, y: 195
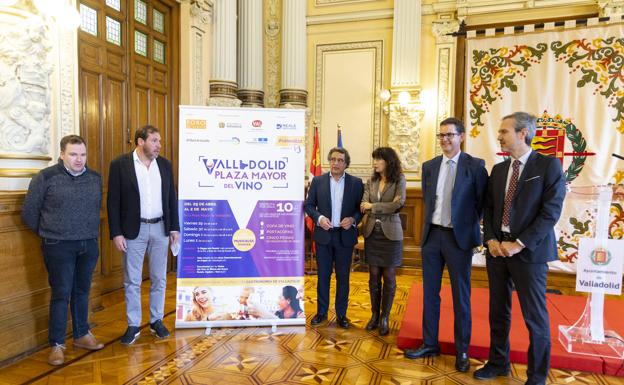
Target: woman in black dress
x: 384, y: 195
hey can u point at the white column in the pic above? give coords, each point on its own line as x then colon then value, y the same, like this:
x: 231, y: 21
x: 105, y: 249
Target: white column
x: 195, y: 29
x: 405, y: 117
x: 223, y: 84
x: 446, y: 47
x: 250, y: 49
x: 406, y: 43
x: 294, y: 45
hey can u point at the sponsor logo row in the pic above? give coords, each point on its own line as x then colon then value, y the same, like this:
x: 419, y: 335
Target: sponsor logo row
x: 202, y: 124
x: 280, y: 141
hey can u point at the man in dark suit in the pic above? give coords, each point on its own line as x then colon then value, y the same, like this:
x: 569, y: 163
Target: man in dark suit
x: 523, y: 204
x: 143, y: 215
x: 454, y: 186
x: 333, y: 202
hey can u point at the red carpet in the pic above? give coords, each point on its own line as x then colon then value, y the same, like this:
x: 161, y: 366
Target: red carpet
x: 563, y: 310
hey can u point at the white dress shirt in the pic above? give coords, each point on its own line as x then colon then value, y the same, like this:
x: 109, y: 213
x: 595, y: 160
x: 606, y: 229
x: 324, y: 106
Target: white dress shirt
x: 150, y: 187
x: 336, y: 188
x: 337, y: 193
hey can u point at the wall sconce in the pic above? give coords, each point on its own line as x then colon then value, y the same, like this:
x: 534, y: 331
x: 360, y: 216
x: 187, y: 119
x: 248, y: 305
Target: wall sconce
x: 403, y: 104
x: 385, y: 95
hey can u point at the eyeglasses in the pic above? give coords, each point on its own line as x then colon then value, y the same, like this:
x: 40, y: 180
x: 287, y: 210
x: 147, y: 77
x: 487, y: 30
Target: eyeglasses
x: 447, y: 135
x: 336, y: 160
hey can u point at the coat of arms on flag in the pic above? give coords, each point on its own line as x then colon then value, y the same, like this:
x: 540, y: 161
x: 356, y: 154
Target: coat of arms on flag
x: 571, y: 79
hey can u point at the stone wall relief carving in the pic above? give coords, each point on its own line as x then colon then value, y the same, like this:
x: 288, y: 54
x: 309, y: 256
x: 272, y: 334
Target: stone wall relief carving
x: 201, y: 12
x: 38, y: 86
x: 272, y: 53
x: 444, y: 95
x: 25, y: 87
x: 404, y: 135
x: 442, y: 29
x: 68, y: 61
x: 445, y: 54
x: 198, y: 67
x: 611, y: 7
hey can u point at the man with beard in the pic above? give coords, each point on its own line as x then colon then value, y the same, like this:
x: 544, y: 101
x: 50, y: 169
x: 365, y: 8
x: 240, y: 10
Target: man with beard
x: 143, y: 216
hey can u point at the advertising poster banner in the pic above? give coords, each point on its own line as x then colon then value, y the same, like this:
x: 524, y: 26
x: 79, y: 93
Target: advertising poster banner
x: 241, y: 191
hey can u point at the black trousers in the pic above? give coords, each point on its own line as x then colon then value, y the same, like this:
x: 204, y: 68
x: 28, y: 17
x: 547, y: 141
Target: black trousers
x: 328, y: 256
x: 441, y: 249
x: 530, y: 282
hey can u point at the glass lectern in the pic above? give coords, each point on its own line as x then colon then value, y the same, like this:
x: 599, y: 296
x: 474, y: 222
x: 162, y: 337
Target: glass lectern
x: 588, y: 335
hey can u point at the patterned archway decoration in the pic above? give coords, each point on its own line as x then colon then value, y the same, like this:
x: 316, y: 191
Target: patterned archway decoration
x: 494, y: 70
x: 601, y: 62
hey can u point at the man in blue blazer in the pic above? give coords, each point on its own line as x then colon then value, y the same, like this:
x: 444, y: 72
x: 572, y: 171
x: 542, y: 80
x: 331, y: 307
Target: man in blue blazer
x: 523, y: 204
x: 333, y: 203
x: 454, y: 186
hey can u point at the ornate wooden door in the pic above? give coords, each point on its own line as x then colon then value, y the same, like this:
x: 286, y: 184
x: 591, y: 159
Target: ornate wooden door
x: 128, y: 77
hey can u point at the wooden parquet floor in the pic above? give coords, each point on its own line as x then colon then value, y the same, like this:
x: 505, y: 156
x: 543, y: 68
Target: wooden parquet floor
x: 256, y: 355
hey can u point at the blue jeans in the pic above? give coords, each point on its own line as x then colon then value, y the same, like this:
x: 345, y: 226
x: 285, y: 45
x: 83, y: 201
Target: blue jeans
x: 70, y: 267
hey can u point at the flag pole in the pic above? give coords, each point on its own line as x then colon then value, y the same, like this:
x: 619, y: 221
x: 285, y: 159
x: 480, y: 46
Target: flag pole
x: 315, y: 170
x: 339, y: 134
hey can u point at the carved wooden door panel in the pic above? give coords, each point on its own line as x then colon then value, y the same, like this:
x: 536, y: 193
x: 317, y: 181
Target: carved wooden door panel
x: 127, y: 51
x: 154, y: 33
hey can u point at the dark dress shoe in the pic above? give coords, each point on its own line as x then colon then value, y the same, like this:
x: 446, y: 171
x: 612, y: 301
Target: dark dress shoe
x: 342, y: 321
x: 489, y: 371
x: 373, y: 323
x: 462, y: 362
x: 422, y: 351
x: 318, y: 319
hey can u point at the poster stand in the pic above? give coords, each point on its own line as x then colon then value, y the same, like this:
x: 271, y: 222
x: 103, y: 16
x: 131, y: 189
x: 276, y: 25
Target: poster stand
x: 241, y: 191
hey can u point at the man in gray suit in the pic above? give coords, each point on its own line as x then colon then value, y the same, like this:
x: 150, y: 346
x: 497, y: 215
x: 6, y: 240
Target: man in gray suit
x: 454, y: 187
